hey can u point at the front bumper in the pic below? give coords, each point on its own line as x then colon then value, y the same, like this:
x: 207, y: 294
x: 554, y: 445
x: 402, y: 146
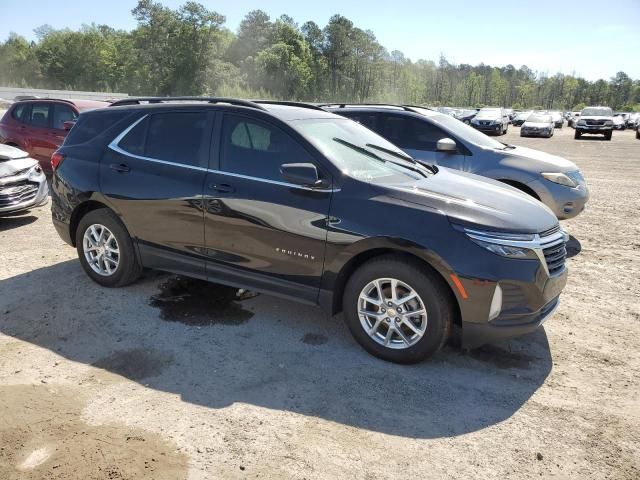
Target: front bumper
x: 565, y: 202
x: 492, y: 128
x: 594, y: 128
x: 477, y: 334
x: 17, y: 198
x: 529, y: 132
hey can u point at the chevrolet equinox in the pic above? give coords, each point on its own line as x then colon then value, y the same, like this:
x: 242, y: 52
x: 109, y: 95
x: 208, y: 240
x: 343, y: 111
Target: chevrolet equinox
x: 298, y: 202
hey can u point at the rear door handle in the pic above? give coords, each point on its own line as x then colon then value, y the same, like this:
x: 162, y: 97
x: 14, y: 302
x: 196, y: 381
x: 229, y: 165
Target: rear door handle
x: 222, y: 187
x: 120, y: 167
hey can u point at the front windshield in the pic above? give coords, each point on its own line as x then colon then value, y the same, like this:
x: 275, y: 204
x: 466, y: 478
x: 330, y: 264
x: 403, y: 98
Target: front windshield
x: 523, y: 116
x: 489, y: 112
x: 537, y: 118
x: 597, y: 112
x: 462, y: 130
x: 354, y: 149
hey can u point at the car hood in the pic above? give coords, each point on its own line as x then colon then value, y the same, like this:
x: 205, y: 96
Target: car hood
x: 536, y: 124
x: 537, y: 161
x: 594, y: 117
x: 476, y: 201
x: 487, y: 117
x: 14, y: 160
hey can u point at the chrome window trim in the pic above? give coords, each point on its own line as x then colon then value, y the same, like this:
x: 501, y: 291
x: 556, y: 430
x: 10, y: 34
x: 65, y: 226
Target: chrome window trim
x: 114, y: 145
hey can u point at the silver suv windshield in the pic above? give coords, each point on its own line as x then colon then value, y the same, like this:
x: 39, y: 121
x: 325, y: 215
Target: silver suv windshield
x: 539, y: 118
x: 462, y: 130
x: 357, y: 151
x: 597, y: 112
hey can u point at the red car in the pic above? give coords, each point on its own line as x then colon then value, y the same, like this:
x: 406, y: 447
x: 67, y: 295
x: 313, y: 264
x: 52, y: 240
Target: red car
x: 40, y: 126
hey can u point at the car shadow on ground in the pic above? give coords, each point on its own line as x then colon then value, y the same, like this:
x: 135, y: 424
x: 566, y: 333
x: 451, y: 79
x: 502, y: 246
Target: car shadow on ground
x: 11, y: 222
x: 574, y: 247
x: 274, y: 354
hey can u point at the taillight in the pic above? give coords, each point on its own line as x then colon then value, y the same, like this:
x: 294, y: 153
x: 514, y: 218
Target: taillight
x: 56, y: 160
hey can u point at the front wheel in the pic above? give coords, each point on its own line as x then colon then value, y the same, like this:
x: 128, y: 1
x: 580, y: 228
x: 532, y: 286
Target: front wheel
x: 398, y: 311
x: 577, y: 135
x: 608, y: 135
x: 106, y: 250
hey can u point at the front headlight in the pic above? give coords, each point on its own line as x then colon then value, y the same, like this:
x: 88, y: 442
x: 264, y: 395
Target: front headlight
x: 35, y: 174
x: 560, y: 179
x: 513, y: 245
x: 608, y: 123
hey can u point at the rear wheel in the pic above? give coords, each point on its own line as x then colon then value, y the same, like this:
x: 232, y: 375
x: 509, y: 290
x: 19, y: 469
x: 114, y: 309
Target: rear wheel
x: 396, y: 310
x: 106, y: 250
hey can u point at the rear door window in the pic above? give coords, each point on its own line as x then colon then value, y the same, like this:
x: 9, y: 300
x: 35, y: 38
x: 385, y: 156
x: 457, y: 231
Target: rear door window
x: 40, y: 115
x: 177, y: 137
x: 62, y: 113
x: 256, y: 149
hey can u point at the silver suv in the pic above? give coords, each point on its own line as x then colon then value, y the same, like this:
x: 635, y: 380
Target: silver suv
x: 434, y: 138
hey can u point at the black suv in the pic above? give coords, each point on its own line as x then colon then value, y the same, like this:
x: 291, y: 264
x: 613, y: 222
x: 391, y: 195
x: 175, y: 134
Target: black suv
x: 298, y: 202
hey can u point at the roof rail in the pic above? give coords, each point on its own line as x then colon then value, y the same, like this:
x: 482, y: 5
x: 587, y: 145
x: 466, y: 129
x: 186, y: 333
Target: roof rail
x: 408, y: 108
x: 32, y: 98
x: 230, y: 101
x: 290, y: 104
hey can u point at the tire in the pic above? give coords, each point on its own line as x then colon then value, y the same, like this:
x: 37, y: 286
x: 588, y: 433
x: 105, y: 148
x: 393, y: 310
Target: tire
x: 638, y: 134
x: 432, y: 295
x: 124, y: 265
x: 577, y: 135
x: 608, y: 135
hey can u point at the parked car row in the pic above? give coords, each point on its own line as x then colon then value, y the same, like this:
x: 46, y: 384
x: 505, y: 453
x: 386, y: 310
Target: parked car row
x: 405, y: 218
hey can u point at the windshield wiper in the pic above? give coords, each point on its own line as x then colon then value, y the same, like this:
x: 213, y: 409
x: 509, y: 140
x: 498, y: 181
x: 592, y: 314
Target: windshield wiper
x: 402, y: 156
x: 369, y: 153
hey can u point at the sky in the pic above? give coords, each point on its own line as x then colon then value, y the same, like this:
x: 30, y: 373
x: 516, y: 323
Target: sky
x: 590, y: 38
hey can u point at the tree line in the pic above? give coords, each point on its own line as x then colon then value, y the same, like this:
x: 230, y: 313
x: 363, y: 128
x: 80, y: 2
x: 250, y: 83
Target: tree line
x: 189, y: 51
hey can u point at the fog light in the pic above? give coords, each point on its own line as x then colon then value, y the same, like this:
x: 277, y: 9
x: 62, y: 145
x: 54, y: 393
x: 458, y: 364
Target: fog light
x: 496, y: 303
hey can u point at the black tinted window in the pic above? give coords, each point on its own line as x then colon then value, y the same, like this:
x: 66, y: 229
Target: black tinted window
x: 40, y: 114
x: 61, y: 114
x: 89, y: 125
x: 133, y: 142
x: 411, y: 133
x: 366, y: 119
x: 176, y: 137
x: 257, y: 149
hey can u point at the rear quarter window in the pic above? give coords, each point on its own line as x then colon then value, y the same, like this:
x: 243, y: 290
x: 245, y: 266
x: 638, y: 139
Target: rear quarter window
x: 90, y: 125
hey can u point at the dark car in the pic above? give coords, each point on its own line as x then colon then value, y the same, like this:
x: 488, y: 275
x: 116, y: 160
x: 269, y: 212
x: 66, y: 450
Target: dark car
x: 520, y: 118
x: 23, y: 185
x: 37, y: 126
x: 491, y: 120
x: 466, y: 115
x: 304, y: 204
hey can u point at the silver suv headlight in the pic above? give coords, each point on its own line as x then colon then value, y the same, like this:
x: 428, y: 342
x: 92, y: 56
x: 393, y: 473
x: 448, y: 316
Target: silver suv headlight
x: 560, y: 179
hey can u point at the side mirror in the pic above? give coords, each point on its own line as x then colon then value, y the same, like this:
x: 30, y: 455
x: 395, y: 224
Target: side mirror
x: 68, y: 125
x: 304, y: 174
x: 446, y: 145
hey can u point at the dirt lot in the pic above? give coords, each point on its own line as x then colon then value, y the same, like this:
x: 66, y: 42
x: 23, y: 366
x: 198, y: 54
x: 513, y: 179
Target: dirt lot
x: 143, y: 382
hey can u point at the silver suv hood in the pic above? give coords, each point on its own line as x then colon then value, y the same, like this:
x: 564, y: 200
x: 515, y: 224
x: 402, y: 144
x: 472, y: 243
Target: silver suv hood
x: 537, y: 161
x: 14, y: 160
x: 479, y: 201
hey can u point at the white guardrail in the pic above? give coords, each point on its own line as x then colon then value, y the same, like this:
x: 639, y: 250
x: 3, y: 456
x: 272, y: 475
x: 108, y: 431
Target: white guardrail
x: 10, y: 93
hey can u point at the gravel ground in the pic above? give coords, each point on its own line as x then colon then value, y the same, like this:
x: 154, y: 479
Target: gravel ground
x: 145, y: 382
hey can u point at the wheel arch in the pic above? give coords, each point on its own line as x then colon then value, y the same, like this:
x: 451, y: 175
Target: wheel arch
x: 520, y: 186
x: 365, y: 256
x: 80, y: 211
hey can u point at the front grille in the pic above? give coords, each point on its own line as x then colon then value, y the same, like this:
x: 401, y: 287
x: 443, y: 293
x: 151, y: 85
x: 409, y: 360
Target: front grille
x: 595, y: 122
x: 555, y: 257
x: 18, y: 192
x: 550, y: 232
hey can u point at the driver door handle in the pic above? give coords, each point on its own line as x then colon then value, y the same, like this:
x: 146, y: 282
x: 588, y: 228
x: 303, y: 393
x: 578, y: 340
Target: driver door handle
x: 120, y: 167
x: 222, y: 187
